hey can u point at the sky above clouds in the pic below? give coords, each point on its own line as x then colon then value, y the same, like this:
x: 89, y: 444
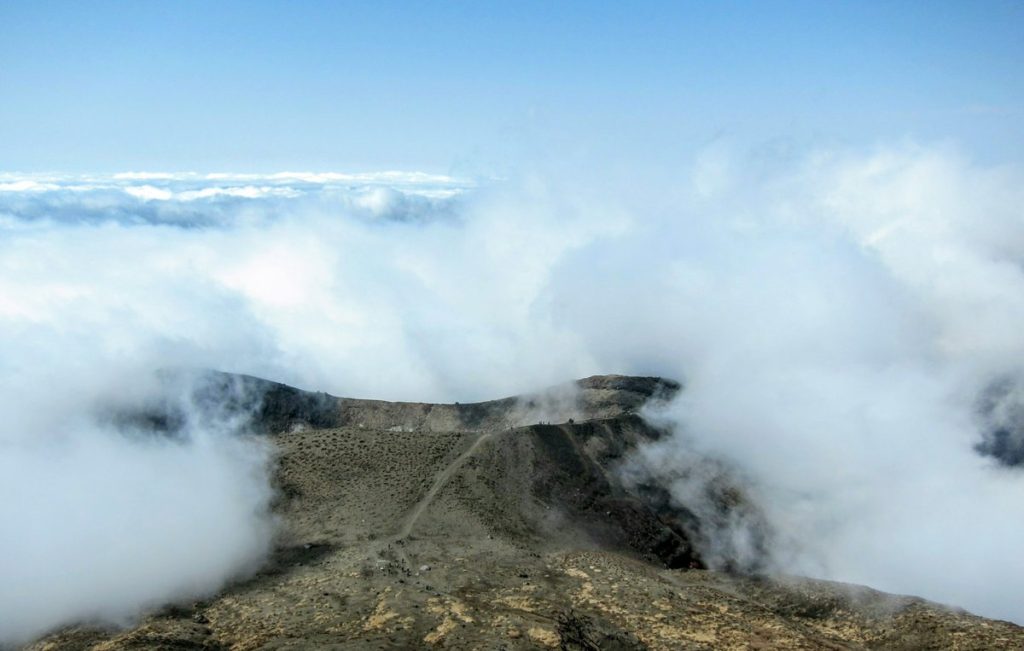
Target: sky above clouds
x: 467, y: 87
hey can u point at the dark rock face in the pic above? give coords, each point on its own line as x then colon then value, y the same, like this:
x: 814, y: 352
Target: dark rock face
x: 281, y: 406
x: 269, y: 407
x: 576, y: 470
x: 1001, y: 412
x: 641, y: 388
x: 236, y: 402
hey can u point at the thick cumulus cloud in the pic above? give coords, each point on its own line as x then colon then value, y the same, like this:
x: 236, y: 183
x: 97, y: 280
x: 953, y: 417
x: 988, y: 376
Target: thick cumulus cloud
x: 846, y: 324
x: 848, y: 327
x: 101, y: 523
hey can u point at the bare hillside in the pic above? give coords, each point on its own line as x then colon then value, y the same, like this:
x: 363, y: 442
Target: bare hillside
x: 503, y: 525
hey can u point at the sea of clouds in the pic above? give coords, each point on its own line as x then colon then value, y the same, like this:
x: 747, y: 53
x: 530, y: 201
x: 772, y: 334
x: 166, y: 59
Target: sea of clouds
x: 839, y: 319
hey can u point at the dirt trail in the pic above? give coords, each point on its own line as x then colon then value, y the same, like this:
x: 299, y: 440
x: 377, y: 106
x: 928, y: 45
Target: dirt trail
x: 439, y: 481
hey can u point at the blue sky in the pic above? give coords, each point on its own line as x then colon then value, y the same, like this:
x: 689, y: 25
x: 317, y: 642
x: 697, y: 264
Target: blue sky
x: 470, y: 87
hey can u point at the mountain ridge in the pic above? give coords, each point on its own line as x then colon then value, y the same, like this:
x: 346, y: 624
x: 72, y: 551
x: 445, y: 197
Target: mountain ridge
x: 503, y: 524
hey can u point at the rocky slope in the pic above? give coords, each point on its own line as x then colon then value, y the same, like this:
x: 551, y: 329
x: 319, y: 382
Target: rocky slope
x: 501, y: 525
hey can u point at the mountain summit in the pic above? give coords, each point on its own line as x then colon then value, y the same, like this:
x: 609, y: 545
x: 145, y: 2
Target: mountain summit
x: 505, y: 524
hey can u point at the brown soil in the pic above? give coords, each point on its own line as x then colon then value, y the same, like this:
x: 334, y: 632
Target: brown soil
x: 407, y: 526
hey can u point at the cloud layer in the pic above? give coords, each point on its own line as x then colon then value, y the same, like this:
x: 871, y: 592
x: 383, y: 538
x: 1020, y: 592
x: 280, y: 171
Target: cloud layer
x: 835, y: 315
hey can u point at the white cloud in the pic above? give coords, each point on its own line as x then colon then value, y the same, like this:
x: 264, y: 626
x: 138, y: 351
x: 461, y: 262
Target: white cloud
x: 149, y: 193
x: 834, y: 315
x: 26, y: 185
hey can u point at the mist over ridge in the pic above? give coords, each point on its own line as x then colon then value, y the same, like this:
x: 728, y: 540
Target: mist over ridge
x: 846, y: 324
